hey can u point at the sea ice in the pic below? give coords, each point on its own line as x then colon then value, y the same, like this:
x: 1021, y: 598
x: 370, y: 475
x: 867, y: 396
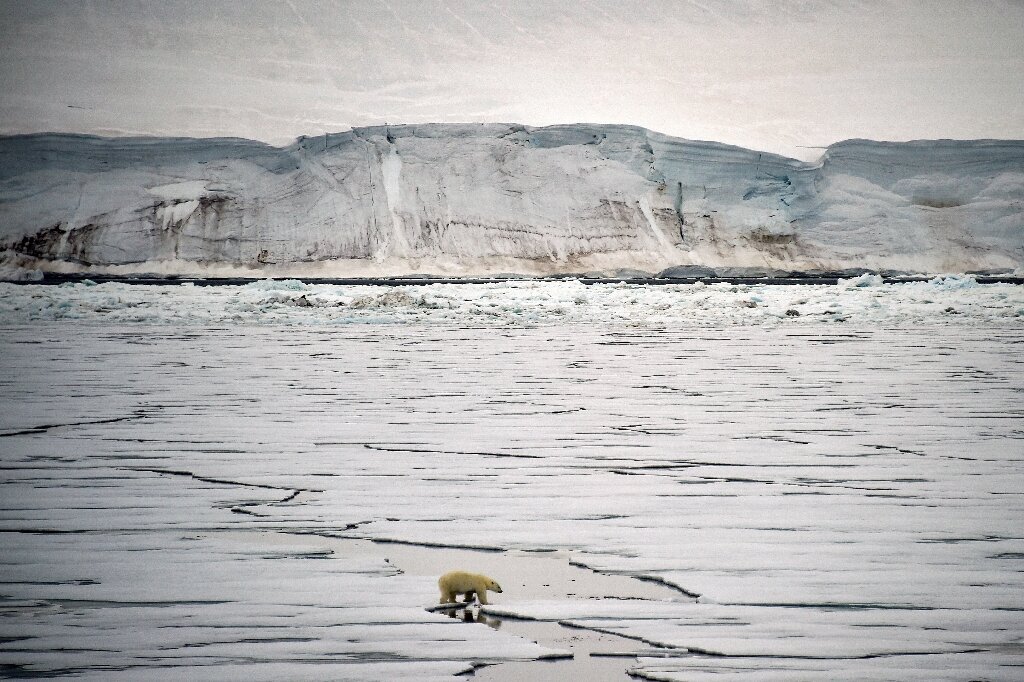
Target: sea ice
x: 842, y: 488
x: 863, y: 300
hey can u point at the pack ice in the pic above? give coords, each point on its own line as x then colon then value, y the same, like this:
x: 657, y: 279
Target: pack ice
x: 846, y: 498
x: 499, y: 198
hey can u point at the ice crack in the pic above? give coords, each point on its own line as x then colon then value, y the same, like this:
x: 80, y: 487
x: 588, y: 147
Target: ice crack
x: 43, y: 428
x: 223, y: 481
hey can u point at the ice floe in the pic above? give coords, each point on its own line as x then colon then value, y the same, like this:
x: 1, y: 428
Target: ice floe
x: 843, y: 496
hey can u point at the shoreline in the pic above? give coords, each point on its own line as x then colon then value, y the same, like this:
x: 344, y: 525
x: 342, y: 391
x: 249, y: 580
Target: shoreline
x: 53, y: 279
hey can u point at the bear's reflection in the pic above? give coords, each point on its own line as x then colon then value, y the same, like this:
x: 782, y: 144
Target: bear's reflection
x: 471, y: 615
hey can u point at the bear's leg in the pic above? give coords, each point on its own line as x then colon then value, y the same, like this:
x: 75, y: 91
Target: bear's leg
x: 483, y: 597
x: 447, y: 597
x: 469, y: 596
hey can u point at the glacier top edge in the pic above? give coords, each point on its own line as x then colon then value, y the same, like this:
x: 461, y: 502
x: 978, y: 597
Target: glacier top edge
x: 553, y: 135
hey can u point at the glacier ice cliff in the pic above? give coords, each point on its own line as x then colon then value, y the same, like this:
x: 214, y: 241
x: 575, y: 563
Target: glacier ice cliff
x: 493, y: 198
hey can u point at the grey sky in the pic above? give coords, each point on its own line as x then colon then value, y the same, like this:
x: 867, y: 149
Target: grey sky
x: 769, y: 75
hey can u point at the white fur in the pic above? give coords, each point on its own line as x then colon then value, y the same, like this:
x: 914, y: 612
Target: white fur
x: 469, y: 584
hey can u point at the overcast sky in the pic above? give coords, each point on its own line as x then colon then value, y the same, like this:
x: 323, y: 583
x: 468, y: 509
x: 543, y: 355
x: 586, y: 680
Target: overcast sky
x: 777, y: 76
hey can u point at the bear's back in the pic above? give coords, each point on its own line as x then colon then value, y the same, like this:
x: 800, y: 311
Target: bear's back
x: 461, y: 581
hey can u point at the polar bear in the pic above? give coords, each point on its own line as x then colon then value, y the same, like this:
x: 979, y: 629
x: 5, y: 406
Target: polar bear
x: 460, y: 582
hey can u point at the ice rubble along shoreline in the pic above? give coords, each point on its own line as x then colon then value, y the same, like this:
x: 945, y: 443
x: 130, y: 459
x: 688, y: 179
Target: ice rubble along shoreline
x: 487, y: 199
x: 863, y: 300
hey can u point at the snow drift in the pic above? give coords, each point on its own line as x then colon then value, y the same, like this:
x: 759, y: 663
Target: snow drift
x: 497, y: 198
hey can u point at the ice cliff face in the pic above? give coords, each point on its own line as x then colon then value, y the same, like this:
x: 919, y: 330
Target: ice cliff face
x: 478, y: 199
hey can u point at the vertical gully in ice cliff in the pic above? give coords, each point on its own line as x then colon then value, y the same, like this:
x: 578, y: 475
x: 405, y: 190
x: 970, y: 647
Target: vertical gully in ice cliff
x: 677, y: 204
x: 663, y: 242
x: 391, y: 170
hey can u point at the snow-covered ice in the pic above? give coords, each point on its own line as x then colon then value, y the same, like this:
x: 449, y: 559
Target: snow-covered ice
x: 841, y: 487
x: 956, y: 299
x: 475, y: 199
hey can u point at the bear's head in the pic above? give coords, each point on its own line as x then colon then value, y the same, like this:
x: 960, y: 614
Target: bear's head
x: 493, y: 586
